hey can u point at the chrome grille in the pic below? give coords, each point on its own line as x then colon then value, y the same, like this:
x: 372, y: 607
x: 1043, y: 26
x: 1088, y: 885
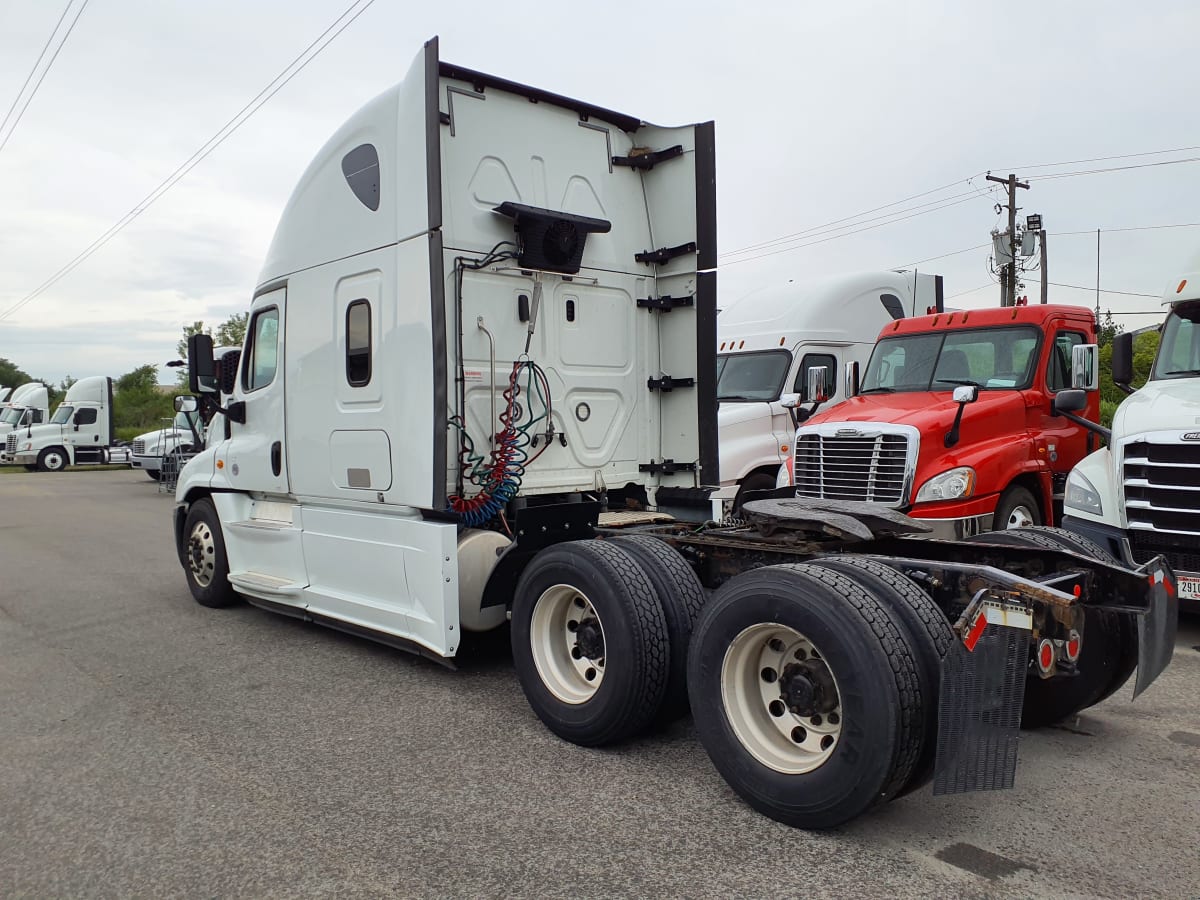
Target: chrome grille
x: 10, y: 443
x: 139, y: 447
x: 869, y: 467
x: 1162, y: 486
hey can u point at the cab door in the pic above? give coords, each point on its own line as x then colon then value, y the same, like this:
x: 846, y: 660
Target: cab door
x: 257, y: 455
x: 1061, y: 443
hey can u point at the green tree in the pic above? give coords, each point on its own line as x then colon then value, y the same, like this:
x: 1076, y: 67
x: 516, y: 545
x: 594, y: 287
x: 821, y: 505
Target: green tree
x: 137, y: 401
x: 230, y: 333
x: 11, y: 375
x: 1145, y: 346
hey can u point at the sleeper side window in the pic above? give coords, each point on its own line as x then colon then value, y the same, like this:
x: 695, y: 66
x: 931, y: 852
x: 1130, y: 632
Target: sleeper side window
x: 263, y: 353
x: 358, y: 343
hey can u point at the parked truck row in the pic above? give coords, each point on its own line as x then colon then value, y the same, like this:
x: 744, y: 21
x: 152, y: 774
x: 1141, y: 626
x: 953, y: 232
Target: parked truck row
x: 478, y: 387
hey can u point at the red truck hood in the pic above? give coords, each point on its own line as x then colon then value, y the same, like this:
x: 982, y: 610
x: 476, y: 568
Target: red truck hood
x: 931, y: 412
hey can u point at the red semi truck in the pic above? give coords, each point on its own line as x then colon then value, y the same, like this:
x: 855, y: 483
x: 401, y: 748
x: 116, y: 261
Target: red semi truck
x: 965, y: 419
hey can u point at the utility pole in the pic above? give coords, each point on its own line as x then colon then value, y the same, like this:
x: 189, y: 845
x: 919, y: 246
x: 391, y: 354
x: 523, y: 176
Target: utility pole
x: 1008, y: 275
x: 1045, y: 274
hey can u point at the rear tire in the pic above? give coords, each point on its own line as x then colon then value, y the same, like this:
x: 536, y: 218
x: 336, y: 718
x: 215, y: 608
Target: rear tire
x: 589, y: 642
x: 204, y: 557
x: 682, y: 597
x: 1109, y: 652
x: 928, y: 633
x: 777, y: 655
x: 30, y: 467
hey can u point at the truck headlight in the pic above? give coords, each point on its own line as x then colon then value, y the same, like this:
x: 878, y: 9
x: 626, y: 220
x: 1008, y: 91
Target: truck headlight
x: 1082, y: 494
x: 955, y: 484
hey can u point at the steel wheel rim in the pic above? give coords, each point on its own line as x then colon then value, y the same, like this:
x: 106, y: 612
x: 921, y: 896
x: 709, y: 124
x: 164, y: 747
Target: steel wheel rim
x: 202, y: 554
x: 54, y: 461
x: 772, y: 733
x: 1020, y: 517
x: 563, y: 618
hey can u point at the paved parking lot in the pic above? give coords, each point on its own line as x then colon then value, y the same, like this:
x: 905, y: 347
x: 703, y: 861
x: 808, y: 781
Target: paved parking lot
x: 149, y: 746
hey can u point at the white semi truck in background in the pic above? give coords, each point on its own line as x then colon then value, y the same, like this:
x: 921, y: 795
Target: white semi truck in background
x: 770, y: 339
x: 1139, y: 497
x: 28, y: 405
x: 480, y: 369
x: 79, y: 433
x: 180, y: 435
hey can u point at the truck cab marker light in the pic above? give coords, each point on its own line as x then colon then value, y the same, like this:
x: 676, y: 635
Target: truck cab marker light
x: 220, y: 463
x: 1182, y: 285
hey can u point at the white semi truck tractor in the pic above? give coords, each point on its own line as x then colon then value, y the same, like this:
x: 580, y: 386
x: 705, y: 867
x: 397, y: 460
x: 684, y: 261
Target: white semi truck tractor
x: 478, y: 387
x: 79, y: 433
x: 28, y: 405
x: 1139, y: 497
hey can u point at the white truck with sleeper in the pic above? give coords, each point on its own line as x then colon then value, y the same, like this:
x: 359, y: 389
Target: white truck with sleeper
x: 479, y: 379
x: 770, y: 339
x: 79, y: 433
x: 28, y: 405
x: 1139, y: 496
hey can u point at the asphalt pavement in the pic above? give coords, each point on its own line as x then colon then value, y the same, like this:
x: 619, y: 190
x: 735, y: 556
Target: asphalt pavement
x: 150, y: 747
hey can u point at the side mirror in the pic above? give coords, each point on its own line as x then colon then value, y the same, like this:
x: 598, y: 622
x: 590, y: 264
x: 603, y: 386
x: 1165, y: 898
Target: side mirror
x: 186, y: 404
x: 1122, y: 359
x: 816, y: 384
x: 202, y: 376
x: 1072, y: 400
x: 790, y: 401
x: 966, y: 393
x: 852, y: 379
x: 1085, y: 367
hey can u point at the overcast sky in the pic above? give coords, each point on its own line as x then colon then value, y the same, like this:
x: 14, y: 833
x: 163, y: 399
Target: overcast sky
x: 823, y: 111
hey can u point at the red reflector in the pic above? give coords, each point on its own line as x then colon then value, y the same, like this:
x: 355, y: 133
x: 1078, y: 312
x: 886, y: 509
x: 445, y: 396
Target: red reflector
x: 1073, y: 649
x: 976, y: 631
x: 1045, y: 655
x: 1077, y: 590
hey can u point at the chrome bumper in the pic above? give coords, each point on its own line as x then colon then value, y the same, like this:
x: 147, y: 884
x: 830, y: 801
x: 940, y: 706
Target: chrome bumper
x: 957, y: 529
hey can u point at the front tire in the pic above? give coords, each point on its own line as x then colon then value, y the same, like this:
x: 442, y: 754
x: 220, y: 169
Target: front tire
x: 52, y: 459
x: 1017, y: 508
x: 153, y: 474
x: 805, y: 694
x: 205, y: 561
x: 589, y: 642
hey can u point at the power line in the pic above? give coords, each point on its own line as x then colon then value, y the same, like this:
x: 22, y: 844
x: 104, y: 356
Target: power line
x: 1150, y: 165
x: 944, y: 255
x: 206, y: 148
x: 818, y: 231
x: 1075, y: 162
x: 42, y: 76
x: 37, y: 62
x: 844, y: 234
x: 1092, y: 231
x: 867, y: 212
x: 1092, y: 287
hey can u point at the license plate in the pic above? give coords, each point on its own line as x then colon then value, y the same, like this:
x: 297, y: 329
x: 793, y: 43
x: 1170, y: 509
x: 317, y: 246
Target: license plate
x: 1189, y: 588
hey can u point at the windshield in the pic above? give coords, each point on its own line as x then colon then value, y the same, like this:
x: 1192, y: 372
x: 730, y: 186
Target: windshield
x: 62, y: 415
x: 12, y: 415
x: 752, y: 376
x: 182, y: 419
x: 1179, y: 349
x: 990, y: 358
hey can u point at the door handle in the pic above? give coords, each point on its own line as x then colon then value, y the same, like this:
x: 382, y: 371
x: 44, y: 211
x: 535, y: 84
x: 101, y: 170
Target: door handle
x: 277, y: 458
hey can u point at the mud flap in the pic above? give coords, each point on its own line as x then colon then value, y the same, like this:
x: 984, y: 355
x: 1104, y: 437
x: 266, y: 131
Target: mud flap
x: 979, y: 711
x: 1156, y: 629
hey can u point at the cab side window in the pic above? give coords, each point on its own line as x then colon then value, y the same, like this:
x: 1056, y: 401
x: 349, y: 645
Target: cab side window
x: 85, y: 417
x: 812, y: 361
x: 1058, y: 370
x: 263, y: 353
